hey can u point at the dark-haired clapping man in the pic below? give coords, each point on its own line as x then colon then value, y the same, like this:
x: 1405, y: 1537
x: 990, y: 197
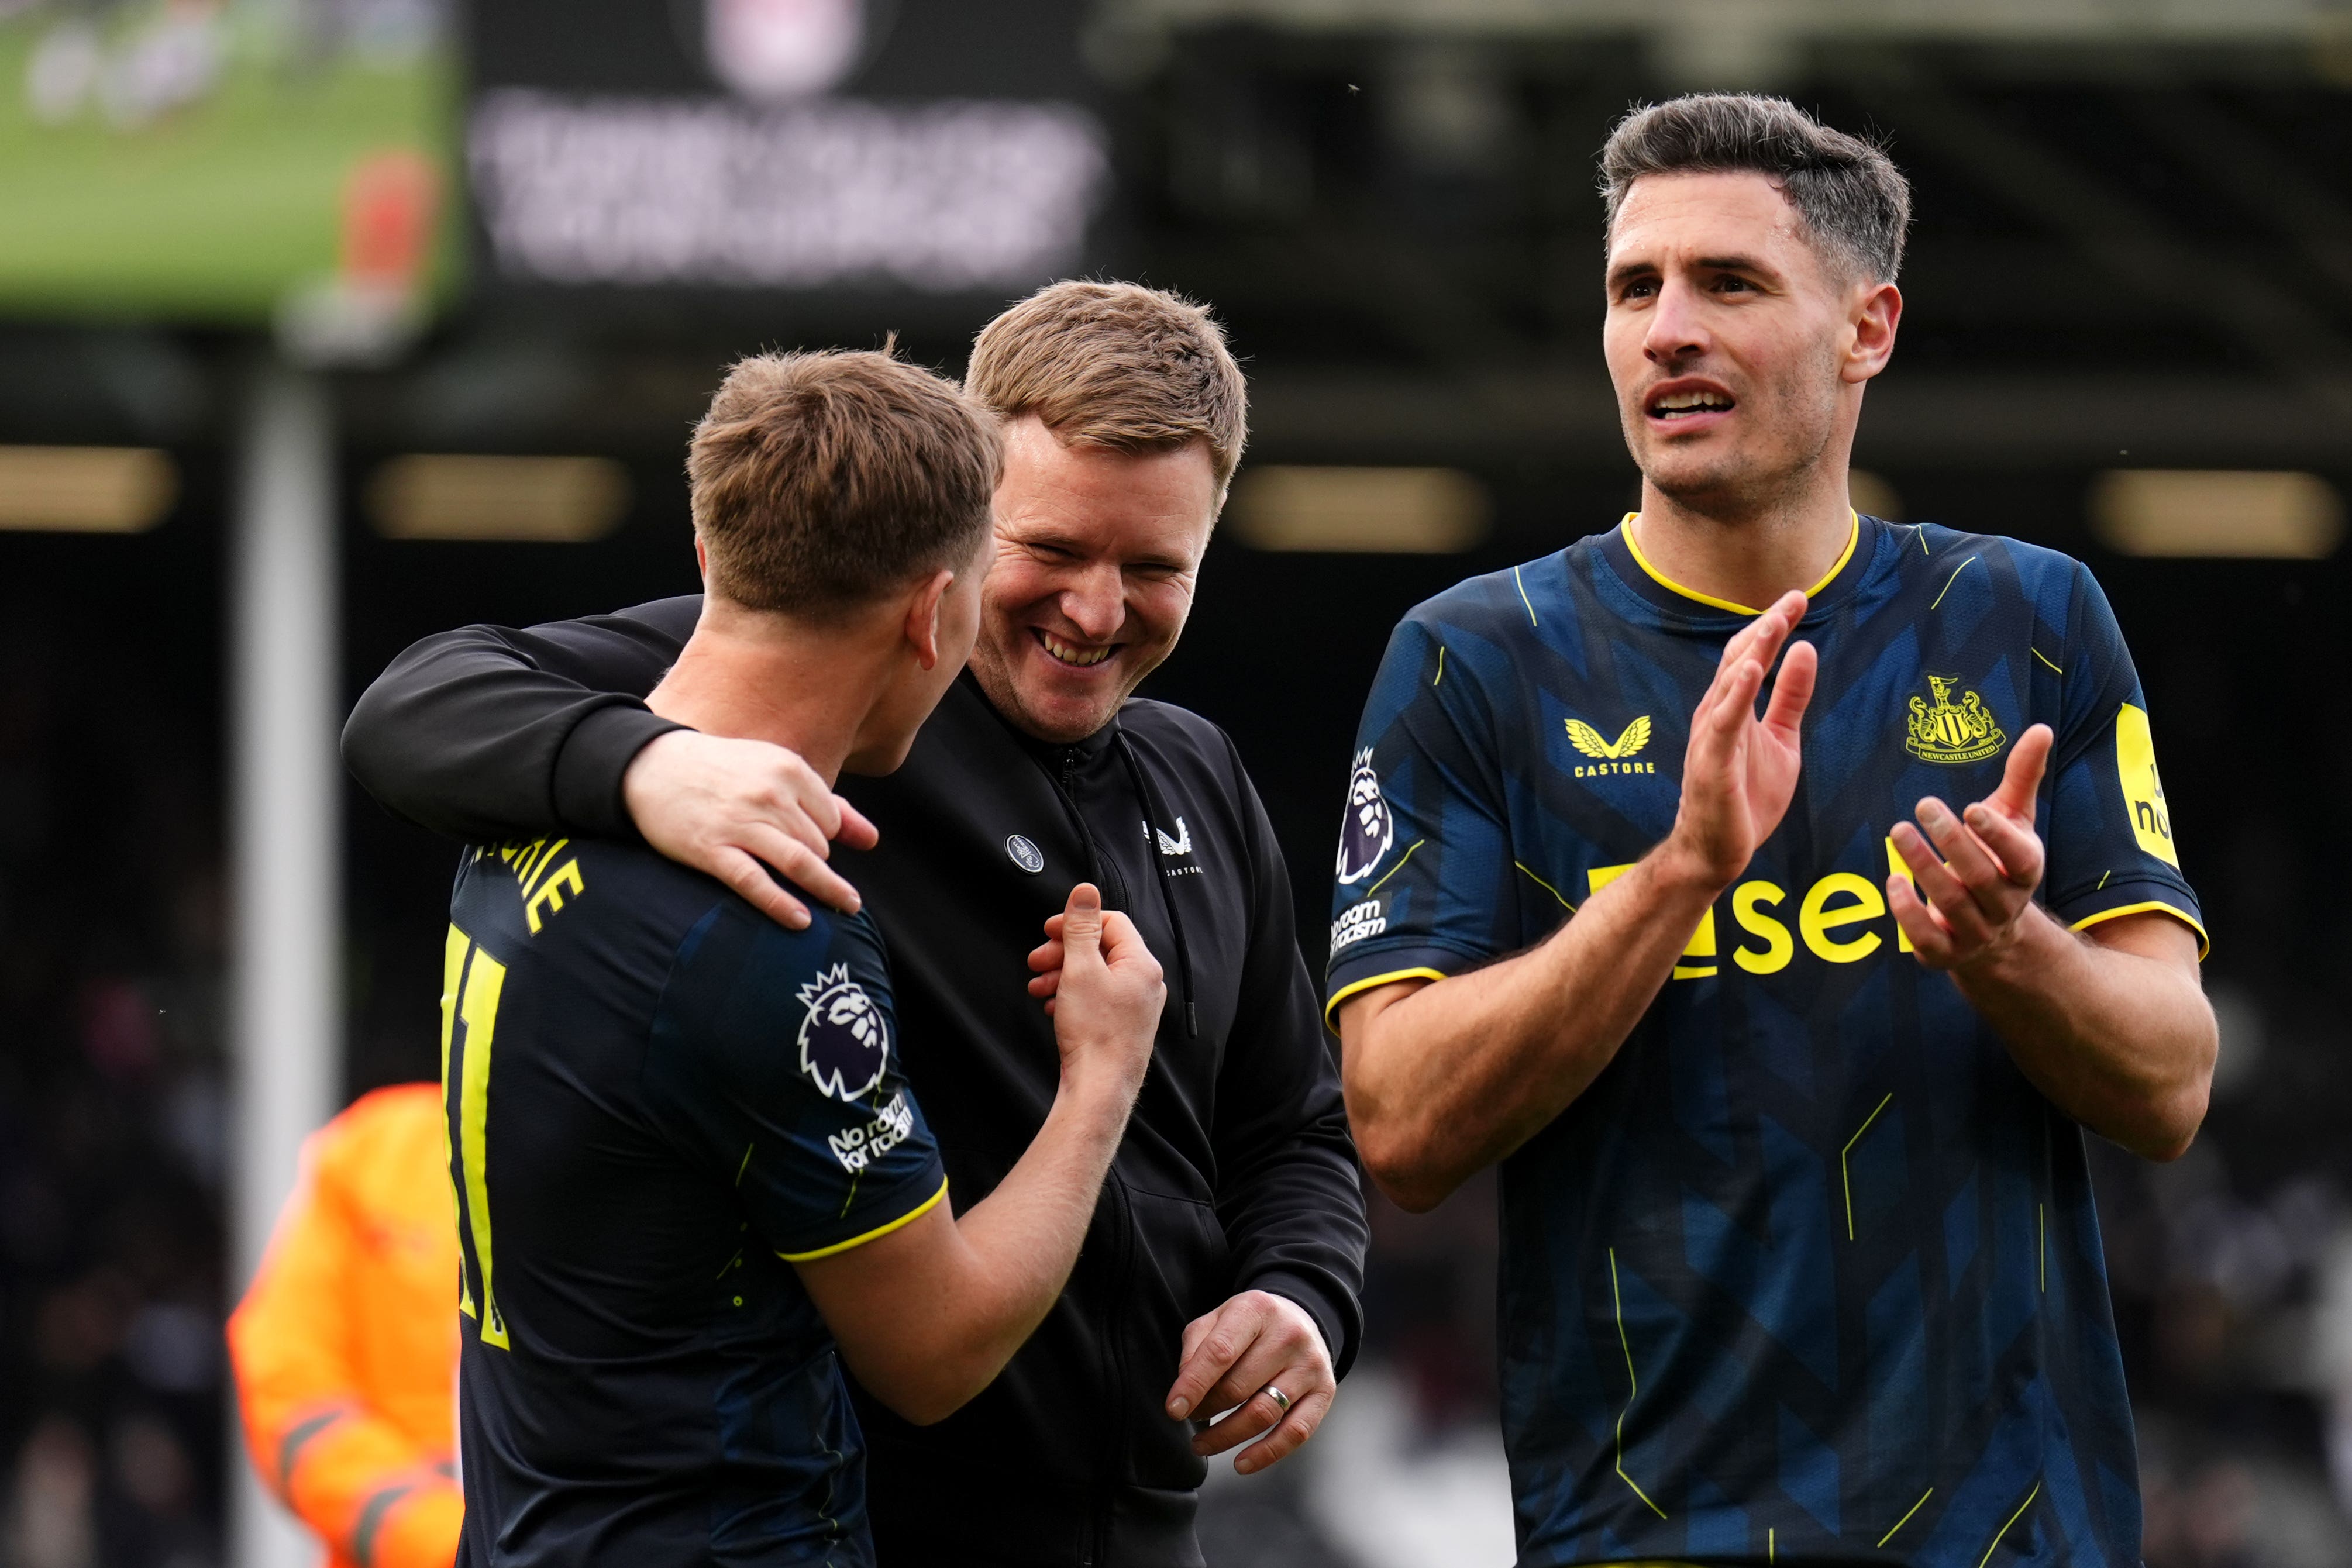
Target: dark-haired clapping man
x: 1784, y: 1027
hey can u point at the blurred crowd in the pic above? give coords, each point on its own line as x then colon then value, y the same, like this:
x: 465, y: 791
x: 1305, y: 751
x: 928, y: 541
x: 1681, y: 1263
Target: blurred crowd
x: 112, y: 1107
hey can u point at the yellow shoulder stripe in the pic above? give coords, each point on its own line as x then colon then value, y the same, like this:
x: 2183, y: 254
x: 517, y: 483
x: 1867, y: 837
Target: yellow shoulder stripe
x: 2156, y: 905
x: 1355, y: 987
x: 907, y: 1219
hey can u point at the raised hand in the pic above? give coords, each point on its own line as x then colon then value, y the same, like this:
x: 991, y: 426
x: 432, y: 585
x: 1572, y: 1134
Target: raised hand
x: 1739, y: 772
x: 723, y: 806
x: 1109, y: 990
x: 1975, y: 885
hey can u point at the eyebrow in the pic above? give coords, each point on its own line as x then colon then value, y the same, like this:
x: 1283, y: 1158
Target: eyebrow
x: 1073, y: 542
x: 1626, y: 272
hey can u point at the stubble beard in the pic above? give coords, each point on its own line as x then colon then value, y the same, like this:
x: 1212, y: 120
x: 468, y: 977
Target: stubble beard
x: 1738, y: 485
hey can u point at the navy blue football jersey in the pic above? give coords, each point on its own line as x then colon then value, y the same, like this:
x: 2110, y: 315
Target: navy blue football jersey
x: 1811, y: 1272
x: 658, y: 1102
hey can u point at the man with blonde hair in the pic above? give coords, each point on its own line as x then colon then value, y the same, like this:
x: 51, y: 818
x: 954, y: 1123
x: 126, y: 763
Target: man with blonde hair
x: 1222, y: 1267
x: 693, y: 1183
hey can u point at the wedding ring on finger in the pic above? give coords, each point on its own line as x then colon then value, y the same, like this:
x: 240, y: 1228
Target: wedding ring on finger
x: 1280, y: 1397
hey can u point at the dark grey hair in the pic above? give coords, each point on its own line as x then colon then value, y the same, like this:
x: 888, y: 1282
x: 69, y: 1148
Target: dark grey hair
x: 1853, y: 200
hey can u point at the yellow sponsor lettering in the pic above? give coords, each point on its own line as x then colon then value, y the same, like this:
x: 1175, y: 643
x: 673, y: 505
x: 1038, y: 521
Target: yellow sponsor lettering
x: 1702, y: 942
x: 1897, y: 866
x: 1778, y: 948
x: 2151, y: 821
x: 1816, y: 919
x: 1839, y: 900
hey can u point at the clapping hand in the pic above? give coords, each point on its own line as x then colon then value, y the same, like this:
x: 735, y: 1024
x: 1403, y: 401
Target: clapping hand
x: 1975, y: 873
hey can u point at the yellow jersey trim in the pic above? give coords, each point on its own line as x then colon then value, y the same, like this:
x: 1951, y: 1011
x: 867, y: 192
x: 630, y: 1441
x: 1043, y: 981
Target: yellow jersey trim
x: 880, y: 1231
x: 1852, y: 539
x: 1365, y: 985
x: 2204, y: 943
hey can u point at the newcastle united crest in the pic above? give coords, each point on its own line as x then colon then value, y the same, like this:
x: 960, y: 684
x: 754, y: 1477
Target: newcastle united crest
x: 1952, y: 732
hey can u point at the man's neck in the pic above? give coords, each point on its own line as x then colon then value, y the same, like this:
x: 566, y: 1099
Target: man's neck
x: 750, y: 677
x: 1748, y: 555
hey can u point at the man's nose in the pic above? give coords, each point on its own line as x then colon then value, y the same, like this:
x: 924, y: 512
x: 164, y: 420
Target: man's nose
x: 1676, y: 329
x: 1096, y: 603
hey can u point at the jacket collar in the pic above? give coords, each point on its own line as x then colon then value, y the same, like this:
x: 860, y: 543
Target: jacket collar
x: 1049, y: 752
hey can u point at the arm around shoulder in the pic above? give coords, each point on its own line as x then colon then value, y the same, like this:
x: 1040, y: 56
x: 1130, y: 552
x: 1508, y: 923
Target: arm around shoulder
x: 487, y: 732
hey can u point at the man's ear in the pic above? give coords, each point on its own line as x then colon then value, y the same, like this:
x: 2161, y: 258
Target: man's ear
x: 1877, y: 313
x: 923, y: 617
x: 702, y: 560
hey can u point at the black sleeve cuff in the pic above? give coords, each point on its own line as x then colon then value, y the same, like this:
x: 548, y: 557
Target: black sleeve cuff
x: 594, y: 756
x: 1334, y: 1311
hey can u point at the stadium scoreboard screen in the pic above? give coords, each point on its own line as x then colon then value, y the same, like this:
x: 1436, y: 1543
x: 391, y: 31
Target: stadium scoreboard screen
x: 225, y: 160
x: 338, y: 168
x: 939, y: 146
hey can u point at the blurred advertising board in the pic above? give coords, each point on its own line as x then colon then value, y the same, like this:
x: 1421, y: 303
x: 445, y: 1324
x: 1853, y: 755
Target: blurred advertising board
x: 939, y: 146
x: 226, y: 161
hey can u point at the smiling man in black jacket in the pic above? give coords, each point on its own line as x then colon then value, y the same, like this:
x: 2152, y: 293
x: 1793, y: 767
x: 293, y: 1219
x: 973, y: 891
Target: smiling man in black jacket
x: 1223, y: 1266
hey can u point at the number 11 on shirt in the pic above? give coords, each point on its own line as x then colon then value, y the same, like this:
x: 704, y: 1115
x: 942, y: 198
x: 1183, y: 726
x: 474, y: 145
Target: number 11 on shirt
x: 471, y: 981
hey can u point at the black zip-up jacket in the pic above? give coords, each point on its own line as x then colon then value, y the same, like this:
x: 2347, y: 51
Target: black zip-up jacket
x: 1236, y: 1173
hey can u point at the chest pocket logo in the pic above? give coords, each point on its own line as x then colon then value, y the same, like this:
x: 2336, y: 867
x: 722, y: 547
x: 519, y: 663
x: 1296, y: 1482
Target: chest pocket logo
x: 1587, y: 739
x: 1952, y: 732
x: 1611, y: 754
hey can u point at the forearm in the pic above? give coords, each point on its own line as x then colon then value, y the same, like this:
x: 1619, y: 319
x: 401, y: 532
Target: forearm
x: 2121, y: 1040
x: 487, y: 733
x: 1290, y: 1193
x: 1296, y: 1228
x: 1008, y: 1261
x: 1457, y: 1075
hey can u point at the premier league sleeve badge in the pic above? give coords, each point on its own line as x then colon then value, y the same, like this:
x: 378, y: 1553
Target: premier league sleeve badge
x: 845, y: 1039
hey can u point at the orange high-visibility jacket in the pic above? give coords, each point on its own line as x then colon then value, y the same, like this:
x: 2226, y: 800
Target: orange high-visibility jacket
x: 346, y: 1346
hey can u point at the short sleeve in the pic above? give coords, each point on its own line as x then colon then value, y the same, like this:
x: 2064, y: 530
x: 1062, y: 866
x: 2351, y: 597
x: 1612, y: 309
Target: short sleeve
x: 2109, y: 832
x: 774, y: 1063
x: 1424, y: 862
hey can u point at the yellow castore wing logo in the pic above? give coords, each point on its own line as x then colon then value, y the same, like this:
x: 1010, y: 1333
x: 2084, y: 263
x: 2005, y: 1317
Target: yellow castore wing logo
x: 1587, y: 739
x: 1952, y: 732
x: 2143, y: 790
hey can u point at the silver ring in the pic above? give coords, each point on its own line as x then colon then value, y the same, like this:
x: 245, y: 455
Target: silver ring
x: 1280, y: 1397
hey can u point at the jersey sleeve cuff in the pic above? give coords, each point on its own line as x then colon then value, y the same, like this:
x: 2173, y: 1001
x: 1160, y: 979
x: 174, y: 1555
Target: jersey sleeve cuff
x: 910, y: 1200
x: 2117, y: 900
x: 591, y: 762
x: 1359, y: 971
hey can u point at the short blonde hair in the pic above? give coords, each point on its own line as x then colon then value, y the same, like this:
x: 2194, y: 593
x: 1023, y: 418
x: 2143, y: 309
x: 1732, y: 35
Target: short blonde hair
x: 821, y: 481
x: 1115, y: 365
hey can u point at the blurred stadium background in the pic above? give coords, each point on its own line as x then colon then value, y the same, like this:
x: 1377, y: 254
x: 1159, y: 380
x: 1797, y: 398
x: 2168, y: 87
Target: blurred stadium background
x: 325, y: 324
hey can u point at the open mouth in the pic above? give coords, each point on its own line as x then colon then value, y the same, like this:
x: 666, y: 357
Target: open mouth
x: 1688, y: 402
x: 1070, y: 653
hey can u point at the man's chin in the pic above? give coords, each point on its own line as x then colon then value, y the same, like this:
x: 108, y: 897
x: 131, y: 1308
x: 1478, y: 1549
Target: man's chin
x: 1708, y: 485
x: 1058, y: 717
